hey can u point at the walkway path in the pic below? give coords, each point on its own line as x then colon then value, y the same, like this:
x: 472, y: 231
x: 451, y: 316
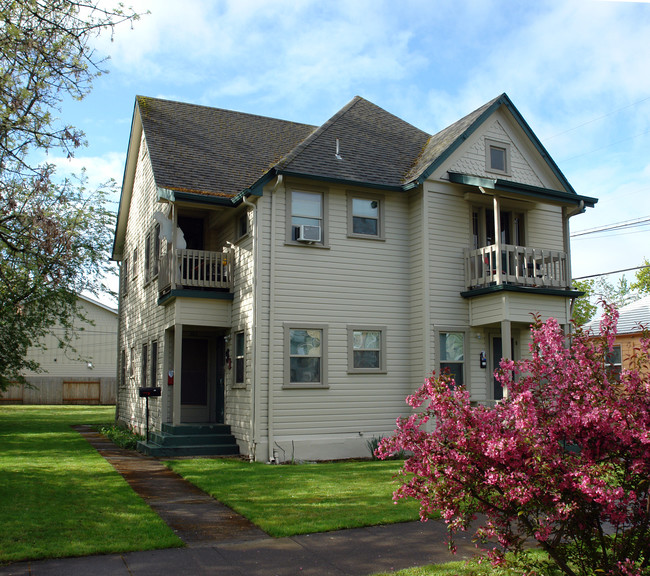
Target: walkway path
x: 220, y: 542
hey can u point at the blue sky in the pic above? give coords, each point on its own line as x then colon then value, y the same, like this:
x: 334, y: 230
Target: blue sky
x: 578, y: 71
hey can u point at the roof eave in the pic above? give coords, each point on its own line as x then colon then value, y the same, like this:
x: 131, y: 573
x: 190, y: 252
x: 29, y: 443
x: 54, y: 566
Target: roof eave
x: 127, y: 184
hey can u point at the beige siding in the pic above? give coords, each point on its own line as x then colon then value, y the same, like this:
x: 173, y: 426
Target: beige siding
x: 353, y: 282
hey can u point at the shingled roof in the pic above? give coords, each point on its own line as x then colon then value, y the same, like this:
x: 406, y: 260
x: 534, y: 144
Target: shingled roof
x: 632, y: 318
x: 213, y: 151
x: 374, y: 147
x: 199, y: 150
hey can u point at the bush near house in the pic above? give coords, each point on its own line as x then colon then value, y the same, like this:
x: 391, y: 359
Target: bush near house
x: 563, y: 461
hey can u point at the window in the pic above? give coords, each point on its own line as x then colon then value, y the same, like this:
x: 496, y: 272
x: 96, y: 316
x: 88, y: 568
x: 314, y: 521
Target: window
x: 239, y: 358
x: 144, y: 359
x: 366, y: 349
x: 305, y: 365
x: 151, y: 253
x: 123, y: 368
x: 614, y: 361
x: 307, y: 223
x: 132, y: 363
x: 154, y: 363
x: 147, y: 257
x: 242, y: 225
x: 497, y: 157
x: 124, y: 276
x: 452, y: 355
x: 134, y: 263
x: 365, y: 216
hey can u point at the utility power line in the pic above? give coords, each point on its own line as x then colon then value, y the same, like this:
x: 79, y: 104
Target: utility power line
x: 643, y: 221
x: 613, y: 272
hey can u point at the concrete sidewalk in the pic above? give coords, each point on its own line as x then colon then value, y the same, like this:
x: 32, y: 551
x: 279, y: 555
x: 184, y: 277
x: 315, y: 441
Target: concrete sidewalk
x: 220, y: 542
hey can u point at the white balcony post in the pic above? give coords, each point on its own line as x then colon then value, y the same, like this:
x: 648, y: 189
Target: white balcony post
x: 497, y: 239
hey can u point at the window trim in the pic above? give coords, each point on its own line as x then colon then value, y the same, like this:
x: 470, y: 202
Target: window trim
x: 287, y: 384
x: 489, y: 144
x: 381, y: 369
x: 466, y: 343
x: 380, y: 199
x: 324, y: 239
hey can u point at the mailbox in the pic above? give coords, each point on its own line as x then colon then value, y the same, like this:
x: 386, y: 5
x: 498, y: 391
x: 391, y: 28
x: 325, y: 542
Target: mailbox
x: 148, y: 392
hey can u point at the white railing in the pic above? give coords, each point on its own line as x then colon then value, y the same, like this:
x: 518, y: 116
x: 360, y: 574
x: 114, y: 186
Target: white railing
x: 518, y: 265
x: 195, y: 269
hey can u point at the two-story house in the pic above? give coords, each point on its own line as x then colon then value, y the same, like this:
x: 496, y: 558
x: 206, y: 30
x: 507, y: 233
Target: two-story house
x: 289, y: 285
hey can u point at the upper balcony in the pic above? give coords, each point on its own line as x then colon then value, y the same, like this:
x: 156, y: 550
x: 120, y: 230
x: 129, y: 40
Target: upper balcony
x: 195, y: 270
x: 517, y: 266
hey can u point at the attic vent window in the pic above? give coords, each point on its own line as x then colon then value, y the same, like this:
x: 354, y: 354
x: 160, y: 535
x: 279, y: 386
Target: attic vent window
x: 497, y: 157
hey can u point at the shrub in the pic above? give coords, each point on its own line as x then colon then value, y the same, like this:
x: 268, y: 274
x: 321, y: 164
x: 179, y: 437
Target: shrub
x: 120, y: 436
x: 563, y: 460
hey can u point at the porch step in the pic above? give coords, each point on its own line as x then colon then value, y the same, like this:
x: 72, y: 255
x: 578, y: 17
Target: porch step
x: 190, y: 440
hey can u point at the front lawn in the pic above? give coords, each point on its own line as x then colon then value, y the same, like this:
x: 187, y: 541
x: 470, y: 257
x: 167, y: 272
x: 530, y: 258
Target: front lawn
x: 301, y: 499
x: 59, y: 496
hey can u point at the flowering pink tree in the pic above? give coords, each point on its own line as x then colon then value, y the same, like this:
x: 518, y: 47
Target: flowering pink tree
x: 563, y: 460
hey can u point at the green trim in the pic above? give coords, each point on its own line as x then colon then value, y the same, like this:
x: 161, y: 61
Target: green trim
x: 343, y: 181
x: 522, y: 290
x: 505, y: 101
x: 187, y: 293
x: 459, y: 141
x: 522, y: 189
x: 176, y: 195
x: 469, y: 180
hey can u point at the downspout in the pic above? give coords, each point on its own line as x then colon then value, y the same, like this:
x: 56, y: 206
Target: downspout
x: 255, y: 347
x: 270, y: 406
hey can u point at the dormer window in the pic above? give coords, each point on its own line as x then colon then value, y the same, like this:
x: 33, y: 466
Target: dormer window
x: 497, y: 157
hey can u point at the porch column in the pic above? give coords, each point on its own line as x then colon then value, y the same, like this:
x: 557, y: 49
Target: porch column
x: 178, y: 366
x: 497, y: 239
x: 506, y: 345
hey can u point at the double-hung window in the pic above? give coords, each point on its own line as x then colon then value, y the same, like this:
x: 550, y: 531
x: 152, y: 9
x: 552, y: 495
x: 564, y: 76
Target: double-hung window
x: 307, y: 217
x: 366, y: 349
x: 452, y: 355
x: 305, y: 362
x: 365, y: 216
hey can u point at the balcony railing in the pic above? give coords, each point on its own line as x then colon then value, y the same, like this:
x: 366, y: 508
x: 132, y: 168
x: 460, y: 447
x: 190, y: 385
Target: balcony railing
x: 518, y: 265
x: 195, y: 269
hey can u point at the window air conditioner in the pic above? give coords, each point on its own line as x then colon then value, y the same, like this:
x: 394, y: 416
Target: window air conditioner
x: 309, y: 234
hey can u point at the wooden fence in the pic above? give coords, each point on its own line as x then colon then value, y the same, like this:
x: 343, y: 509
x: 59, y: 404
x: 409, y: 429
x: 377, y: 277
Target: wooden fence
x: 62, y: 391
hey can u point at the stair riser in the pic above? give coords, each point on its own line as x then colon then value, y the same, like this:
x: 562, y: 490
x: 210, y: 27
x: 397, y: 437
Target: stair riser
x: 191, y: 440
x: 191, y: 430
x: 175, y: 451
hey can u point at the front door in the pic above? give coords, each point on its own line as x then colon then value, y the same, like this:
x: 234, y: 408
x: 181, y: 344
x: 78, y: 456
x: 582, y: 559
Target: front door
x: 197, y: 382
x: 497, y: 355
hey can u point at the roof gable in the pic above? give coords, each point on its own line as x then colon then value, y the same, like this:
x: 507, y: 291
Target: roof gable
x: 443, y: 144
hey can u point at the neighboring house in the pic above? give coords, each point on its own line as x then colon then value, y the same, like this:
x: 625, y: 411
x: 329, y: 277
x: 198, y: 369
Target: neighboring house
x: 83, y: 372
x: 297, y: 282
x: 633, y: 319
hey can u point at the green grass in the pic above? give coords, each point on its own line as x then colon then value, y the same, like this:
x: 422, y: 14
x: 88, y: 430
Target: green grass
x: 305, y: 498
x: 59, y: 496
